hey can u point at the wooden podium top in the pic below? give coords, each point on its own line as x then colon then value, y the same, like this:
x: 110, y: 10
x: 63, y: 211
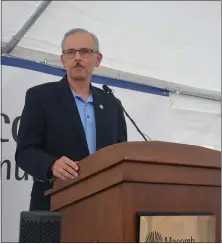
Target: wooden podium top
x: 150, y: 152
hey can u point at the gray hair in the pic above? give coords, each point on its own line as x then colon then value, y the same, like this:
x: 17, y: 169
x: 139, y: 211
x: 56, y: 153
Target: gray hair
x: 76, y: 30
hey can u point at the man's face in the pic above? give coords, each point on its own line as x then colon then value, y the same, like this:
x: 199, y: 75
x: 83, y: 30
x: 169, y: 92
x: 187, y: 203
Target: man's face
x: 80, y: 65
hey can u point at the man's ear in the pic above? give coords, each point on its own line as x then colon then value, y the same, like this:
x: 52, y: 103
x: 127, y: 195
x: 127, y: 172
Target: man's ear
x: 99, y: 59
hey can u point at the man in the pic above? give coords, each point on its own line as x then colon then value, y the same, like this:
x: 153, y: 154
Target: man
x: 63, y: 122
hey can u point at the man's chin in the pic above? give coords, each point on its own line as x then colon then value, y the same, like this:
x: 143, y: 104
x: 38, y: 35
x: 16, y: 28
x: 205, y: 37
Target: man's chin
x: 78, y: 77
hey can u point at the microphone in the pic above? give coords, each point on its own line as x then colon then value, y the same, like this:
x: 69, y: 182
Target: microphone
x: 110, y: 91
x: 107, y: 89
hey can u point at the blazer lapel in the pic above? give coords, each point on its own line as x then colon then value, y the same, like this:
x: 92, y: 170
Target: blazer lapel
x: 70, y: 109
x: 100, y: 117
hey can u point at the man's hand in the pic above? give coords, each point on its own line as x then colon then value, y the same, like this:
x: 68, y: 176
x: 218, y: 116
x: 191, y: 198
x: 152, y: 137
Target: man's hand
x: 65, y: 169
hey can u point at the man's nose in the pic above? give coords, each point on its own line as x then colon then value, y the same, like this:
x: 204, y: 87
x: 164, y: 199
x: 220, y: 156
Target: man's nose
x: 77, y: 56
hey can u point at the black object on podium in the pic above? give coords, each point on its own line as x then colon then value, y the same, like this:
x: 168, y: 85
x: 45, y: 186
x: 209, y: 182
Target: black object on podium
x: 40, y: 227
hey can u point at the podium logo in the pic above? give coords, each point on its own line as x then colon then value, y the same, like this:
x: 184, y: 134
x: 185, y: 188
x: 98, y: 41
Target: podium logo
x: 156, y: 237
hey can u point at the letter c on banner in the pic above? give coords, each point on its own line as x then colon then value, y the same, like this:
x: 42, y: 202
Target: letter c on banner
x: 6, y: 121
x: 15, y: 128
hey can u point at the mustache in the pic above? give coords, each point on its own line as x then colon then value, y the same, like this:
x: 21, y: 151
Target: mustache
x: 78, y: 65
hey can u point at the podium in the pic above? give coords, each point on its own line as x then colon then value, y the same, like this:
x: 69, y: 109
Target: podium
x: 120, y: 181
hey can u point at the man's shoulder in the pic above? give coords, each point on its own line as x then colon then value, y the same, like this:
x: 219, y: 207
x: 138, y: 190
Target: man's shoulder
x: 102, y: 93
x: 105, y: 96
x: 99, y: 90
x: 44, y: 87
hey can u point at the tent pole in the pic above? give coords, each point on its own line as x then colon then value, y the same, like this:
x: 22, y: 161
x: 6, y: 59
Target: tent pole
x: 27, y: 25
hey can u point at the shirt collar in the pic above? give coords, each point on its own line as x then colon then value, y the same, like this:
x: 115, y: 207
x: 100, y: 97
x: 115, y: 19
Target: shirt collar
x: 89, y: 99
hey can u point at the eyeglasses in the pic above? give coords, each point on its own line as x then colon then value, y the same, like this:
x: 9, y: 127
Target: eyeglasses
x: 84, y: 52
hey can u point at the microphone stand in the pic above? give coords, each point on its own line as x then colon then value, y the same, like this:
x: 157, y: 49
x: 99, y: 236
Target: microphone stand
x: 109, y: 91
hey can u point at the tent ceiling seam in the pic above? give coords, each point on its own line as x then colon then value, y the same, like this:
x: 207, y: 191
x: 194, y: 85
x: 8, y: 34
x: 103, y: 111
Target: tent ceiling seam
x: 172, y: 88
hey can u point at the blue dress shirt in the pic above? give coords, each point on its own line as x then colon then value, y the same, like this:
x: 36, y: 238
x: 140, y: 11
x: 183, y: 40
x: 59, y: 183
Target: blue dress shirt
x: 87, y: 115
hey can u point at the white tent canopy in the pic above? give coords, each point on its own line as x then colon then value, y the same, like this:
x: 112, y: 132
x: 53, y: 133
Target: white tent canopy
x: 170, y: 45
x: 165, y: 44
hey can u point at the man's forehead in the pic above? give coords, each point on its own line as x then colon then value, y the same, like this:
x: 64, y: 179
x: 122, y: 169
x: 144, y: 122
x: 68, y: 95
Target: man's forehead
x: 79, y: 40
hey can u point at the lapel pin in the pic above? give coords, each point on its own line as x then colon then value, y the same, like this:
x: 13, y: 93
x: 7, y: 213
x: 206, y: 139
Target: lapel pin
x: 101, y: 106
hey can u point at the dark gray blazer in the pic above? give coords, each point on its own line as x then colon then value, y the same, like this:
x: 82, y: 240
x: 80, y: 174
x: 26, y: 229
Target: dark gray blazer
x: 51, y: 127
